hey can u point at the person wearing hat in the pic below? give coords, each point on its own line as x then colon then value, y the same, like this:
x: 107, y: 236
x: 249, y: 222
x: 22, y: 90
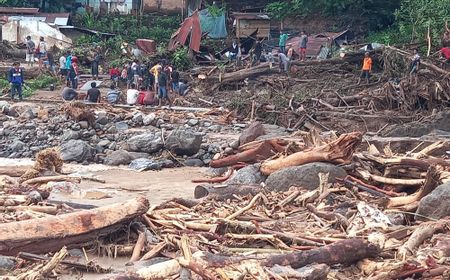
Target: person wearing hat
x: 16, y: 79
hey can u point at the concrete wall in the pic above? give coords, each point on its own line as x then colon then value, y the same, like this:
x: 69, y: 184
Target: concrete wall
x: 165, y: 6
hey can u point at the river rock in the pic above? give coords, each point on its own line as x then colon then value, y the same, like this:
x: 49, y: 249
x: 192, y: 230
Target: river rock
x: 121, y: 126
x: 146, y: 143
x: 253, y: 131
x: 248, y: 175
x: 70, y: 135
x: 76, y: 150
x: 16, y: 146
x: 184, y: 142
x: 118, y: 157
x: 194, y: 162
x: 305, y: 176
x: 436, y: 204
x: 142, y: 164
x: 4, y: 106
x: 148, y: 119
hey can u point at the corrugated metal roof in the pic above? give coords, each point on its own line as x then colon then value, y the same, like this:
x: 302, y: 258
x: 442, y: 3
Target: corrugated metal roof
x: 313, y: 47
x: 250, y: 16
x: 16, y: 10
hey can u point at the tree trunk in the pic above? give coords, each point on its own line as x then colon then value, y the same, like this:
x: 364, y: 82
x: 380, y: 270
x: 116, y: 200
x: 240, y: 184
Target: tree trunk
x: 338, y: 151
x: 52, y: 233
x: 342, y: 252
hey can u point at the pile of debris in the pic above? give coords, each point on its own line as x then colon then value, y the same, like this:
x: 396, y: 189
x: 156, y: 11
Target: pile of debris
x: 310, y: 207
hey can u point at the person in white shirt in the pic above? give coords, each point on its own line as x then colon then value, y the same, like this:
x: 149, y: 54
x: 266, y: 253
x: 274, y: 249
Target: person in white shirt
x: 132, y: 95
x: 42, y: 54
x: 62, y: 67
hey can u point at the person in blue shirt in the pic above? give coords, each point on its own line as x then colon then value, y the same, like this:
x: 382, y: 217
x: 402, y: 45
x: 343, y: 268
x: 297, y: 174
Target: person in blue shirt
x: 15, y: 78
x: 282, y: 43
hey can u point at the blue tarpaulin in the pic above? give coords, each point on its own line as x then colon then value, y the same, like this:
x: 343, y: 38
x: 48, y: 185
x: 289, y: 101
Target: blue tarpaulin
x: 214, y: 26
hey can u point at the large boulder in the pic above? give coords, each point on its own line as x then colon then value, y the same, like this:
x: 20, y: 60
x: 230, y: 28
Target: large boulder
x: 184, y: 142
x: 436, y: 204
x: 248, y: 175
x: 77, y: 150
x: 253, y: 131
x: 305, y: 176
x: 145, y: 143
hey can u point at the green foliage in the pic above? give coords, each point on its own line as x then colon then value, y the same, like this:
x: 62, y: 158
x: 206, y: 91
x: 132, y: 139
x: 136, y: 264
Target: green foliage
x: 281, y: 10
x: 214, y: 10
x: 42, y: 81
x: 415, y: 16
x: 181, y: 59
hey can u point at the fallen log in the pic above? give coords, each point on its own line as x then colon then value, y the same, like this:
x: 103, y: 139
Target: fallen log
x: 261, y: 152
x: 423, y: 232
x: 14, y: 171
x: 224, y: 192
x: 52, y: 233
x: 341, y: 252
x: 337, y: 151
x: 431, y: 182
x: 46, y: 179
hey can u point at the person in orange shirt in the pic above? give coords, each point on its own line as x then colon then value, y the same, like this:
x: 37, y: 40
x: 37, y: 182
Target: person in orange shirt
x: 366, y: 69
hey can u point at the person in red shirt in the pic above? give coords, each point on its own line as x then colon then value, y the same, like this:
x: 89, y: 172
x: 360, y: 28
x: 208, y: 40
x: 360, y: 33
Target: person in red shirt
x: 445, y: 52
x: 114, y: 74
x: 145, y: 97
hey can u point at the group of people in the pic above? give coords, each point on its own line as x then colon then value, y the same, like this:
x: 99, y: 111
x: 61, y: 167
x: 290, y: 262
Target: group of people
x: 145, y: 83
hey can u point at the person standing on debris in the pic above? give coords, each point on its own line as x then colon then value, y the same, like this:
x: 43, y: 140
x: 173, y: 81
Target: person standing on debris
x: 183, y: 88
x: 30, y: 51
x: 42, y: 51
x: 239, y: 56
x: 136, y: 72
x: 113, y: 96
x: 132, y: 95
x: 68, y: 66
x: 93, y: 94
x: 282, y: 42
x: 95, y: 64
x: 175, y: 78
x: 256, y: 51
x: 303, y: 43
x: 73, y: 72
x: 16, y: 80
x: 51, y: 62
x: 155, y: 70
x: 234, y: 49
x: 162, y: 85
x: 415, y: 64
x: 366, y: 69
x: 114, y: 74
x: 62, y: 67
x: 69, y: 94
x: 130, y: 75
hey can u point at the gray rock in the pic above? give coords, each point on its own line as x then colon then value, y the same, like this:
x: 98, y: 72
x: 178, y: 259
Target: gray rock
x: 4, y: 106
x: 103, y: 120
x: 215, y: 128
x: 228, y: 151
x: 112, y: 130
x: 76, y: 150
x: 147, y: 143
x: 138, y: 118
x: 83, y: 124
x: 248, y: 175
x: 121, y: 126
x: 145, y: 164
x: 305, y: 176
x: 104, y: 143
x: 436, y: 204
x: 118, y: 157
x: 206, y: 124
x: 193, y: 162
x: 159, y: 122
x: 16, y: 146
x: 234, y: 144
x: 7, y: 263
x: 184, y: 142
x: 148, y: 119
x: 70, y: 135
x: 253, y: 131
x: 193, y: 122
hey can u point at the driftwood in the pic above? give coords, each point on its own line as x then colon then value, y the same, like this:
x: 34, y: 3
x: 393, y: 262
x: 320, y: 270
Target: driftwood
x: 337, y: 151
x: 260, y: 152
x: 342, y: 252
x: 41, y: 271
x: 52, y: 233
x: 46, y: 179
x: 422, y: 233
x: 431, y: 182
x: 223, y: 192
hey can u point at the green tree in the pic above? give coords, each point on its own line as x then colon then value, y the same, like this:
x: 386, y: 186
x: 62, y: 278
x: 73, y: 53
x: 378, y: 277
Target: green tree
x: 415, y: 16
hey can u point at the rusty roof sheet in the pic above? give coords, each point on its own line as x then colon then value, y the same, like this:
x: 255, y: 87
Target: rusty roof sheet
x: 313, y: 47
x: 16, y: 10
x: 259, y: 16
